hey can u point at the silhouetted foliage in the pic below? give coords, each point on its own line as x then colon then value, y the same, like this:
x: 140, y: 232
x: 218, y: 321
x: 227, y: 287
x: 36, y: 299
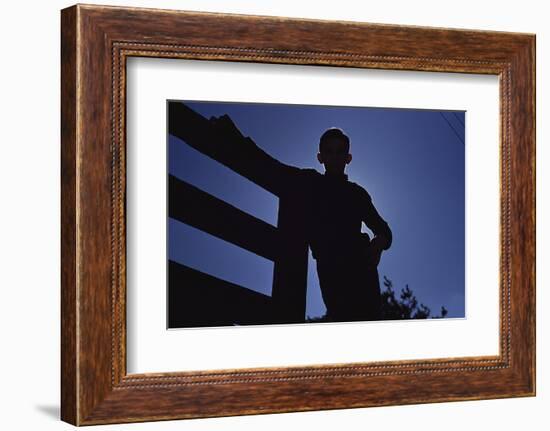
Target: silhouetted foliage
x: 404, y: 306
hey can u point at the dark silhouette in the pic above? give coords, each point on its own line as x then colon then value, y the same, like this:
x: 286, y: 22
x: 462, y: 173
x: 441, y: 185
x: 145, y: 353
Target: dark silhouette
x: 189, y: 307
x: 406, y: 306
x: 347, y: 259
x: 324, y: 211
x: 403, y: 306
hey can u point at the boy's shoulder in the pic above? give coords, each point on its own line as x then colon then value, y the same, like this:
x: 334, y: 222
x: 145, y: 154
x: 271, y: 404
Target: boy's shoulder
x: 360, y: 190
x: 310, y: 173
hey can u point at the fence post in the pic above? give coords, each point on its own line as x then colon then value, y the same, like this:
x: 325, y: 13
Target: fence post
x: 290, y: 270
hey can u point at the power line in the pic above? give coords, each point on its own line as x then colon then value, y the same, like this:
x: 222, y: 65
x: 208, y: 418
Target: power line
x: 452, y: 128
x: 458, y: 118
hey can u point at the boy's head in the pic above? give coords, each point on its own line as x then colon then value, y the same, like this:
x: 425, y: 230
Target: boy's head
x: 334, y: 150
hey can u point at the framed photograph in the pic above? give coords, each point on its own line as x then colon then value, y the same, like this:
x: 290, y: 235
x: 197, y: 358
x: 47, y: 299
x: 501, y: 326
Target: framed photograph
x: 265, y: 214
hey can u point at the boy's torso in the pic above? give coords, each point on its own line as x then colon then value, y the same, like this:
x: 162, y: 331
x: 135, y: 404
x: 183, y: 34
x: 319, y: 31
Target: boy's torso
x: 333, y: 215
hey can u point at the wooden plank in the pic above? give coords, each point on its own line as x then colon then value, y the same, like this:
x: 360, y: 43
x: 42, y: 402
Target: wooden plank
x: 203, y: 211
x: 196, y: 299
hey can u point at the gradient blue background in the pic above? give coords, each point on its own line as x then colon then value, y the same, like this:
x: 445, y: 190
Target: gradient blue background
x: 412, y: 162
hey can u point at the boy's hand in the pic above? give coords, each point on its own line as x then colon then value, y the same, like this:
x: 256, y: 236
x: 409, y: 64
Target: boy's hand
x: 227, y: 129
x: 374, y: 252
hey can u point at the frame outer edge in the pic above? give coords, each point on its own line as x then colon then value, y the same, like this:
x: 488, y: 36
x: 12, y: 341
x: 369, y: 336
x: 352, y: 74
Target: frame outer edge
x: 523, y: 253
x: 533, y: 54
x: 530, y: 64
x: 69, y: 201
x: 94, y: 266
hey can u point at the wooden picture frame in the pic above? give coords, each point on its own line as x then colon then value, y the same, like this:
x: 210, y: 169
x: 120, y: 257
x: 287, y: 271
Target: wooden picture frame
x: 95, y: 43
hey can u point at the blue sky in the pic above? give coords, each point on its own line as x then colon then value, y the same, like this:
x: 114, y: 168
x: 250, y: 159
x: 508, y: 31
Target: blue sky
x: 410, y: 161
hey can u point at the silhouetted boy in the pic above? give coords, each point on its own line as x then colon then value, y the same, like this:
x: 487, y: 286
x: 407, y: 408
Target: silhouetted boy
x: 347, y: 260
x: 335, y: 209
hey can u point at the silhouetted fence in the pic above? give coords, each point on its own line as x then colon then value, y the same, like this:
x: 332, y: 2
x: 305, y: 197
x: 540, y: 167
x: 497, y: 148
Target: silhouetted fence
x: 199, y: 299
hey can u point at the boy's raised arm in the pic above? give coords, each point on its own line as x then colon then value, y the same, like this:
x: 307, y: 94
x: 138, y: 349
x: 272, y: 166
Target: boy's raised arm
x: 220, y: 139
